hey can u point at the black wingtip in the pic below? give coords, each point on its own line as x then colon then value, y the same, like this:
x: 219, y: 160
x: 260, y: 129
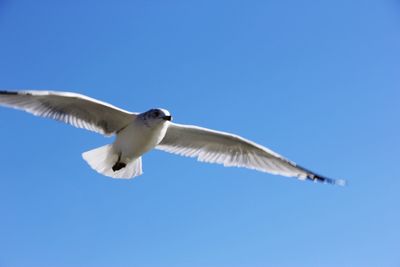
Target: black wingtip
x: 2, y: 92
x: 326, y: 180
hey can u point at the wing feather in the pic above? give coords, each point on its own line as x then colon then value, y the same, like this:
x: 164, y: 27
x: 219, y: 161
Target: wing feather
x: 72, y: 108
x: 232, y: 150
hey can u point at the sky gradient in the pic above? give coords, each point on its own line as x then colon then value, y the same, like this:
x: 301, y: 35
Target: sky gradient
x: 316, y: 82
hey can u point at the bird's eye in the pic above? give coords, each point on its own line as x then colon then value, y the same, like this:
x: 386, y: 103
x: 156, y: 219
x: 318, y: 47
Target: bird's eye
x: 156, y: 113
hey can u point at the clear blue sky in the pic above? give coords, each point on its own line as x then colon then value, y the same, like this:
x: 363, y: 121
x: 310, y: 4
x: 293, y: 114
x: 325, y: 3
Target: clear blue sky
x: 321, y: 78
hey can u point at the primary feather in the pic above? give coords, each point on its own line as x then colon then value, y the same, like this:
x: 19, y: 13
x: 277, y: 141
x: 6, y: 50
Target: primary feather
x: 75, y: 109
x: 232, y: 150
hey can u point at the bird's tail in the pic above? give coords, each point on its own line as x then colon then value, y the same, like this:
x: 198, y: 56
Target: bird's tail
x: 106, y: 160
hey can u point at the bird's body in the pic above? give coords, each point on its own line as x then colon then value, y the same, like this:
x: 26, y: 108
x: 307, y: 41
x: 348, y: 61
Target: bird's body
x: 138, y: 138
x: 122, y: 159
x: 138, y: 133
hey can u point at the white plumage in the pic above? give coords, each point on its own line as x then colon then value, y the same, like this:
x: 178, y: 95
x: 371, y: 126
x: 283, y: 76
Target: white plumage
x: 75, y: 109
x: 223, y: 148
x: 138, y: 133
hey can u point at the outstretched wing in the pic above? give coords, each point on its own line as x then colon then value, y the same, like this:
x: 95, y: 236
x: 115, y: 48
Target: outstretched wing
x: 231, y: 150
x: 75, y: 109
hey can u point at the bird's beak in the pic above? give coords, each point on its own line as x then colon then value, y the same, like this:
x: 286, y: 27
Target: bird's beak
x: 167, y: 118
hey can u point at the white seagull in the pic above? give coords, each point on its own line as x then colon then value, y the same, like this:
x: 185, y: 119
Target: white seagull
x: 137, y: 133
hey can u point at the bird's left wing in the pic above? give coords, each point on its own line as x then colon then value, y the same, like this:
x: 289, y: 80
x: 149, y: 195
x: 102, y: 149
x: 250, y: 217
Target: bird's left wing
x: 75, y: 109
x: 231, y: 150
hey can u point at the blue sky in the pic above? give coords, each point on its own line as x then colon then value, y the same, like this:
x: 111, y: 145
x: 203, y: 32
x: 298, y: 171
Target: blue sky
x: 317, y: 82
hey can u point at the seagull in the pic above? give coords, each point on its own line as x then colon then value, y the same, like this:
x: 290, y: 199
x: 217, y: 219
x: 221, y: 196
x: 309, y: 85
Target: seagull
x: 138, y: 133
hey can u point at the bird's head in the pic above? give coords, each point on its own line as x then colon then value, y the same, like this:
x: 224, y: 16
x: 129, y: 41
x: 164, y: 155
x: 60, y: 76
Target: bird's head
x: 156, y: 116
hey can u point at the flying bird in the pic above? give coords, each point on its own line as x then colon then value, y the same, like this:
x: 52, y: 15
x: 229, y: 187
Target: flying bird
x: 137, y: 133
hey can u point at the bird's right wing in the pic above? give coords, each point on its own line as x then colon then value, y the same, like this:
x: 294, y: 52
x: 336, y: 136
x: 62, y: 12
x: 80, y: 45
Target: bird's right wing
x: 75, y: 109
x: 231, y: 150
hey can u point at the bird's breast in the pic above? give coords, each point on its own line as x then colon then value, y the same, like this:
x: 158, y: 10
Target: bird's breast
x: 137, y: 138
